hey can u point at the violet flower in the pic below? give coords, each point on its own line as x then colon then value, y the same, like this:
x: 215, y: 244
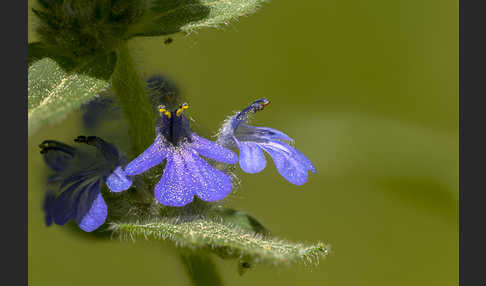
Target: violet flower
x: 73, y: 191
x: 186, y: 174
x: 252, y: 141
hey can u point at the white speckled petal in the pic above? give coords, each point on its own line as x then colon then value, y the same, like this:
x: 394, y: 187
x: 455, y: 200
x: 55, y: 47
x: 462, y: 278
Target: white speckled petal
x: 252, y: 159
x: 290, y: 163
x: 118, y: 181
x: 208, y: 183
x: 154, y: 155
x: 212, y: 150
x: 175, y: 188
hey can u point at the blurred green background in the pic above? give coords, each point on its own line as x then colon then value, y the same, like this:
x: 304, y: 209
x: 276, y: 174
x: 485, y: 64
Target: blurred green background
x: 369, y: 91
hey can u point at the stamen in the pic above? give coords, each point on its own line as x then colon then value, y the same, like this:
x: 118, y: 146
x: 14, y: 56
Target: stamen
x: 164, y: 111
x: 49, y: 145
x: 181, y: 109
x: 90, y: 140
x: 262, y: 103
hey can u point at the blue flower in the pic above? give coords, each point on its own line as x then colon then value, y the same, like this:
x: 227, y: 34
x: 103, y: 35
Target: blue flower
x: 252, y: 141
x: 186, y: 174
x: 73, y: 191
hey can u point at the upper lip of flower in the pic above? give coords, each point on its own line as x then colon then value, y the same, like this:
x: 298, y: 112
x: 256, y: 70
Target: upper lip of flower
x: 174, y: 126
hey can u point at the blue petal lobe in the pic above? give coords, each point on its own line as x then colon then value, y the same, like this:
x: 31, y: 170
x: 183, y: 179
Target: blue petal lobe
x: 208, y: 183
x: 290, y: 163
x: 270, y: 133
x: 118, y: 180
x: 154, y: 155
x: 57, y: 155
x: 64, y: 207
x: 175, y: 187
x: 302, y: 158
x: 108, y: 150
x: 252, y: 159
x: 86, y: 198
x: 213, y: 150
x: 96, y: 215
x: 245, y: 132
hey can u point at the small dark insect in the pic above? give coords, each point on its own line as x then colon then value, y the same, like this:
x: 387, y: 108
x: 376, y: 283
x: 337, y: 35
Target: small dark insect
x: 168, y: 41
x: 245, y: 265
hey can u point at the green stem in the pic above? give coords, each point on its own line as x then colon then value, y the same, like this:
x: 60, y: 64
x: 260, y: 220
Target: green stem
x: 135, y: 104
x: 201, y: 268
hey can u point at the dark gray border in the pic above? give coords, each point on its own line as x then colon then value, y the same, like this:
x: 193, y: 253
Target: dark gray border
x: 13, y: 116
x: 472, y: 142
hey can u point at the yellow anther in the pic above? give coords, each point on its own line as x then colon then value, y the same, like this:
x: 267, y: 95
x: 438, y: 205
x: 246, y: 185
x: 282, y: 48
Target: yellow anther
x: 181, y: 109
x: 165, y: 112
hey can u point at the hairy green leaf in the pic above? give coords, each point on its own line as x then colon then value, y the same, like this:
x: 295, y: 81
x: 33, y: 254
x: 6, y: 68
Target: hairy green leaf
x: 165, y: 17
x: 53, y: 92
x: 239, y: 219
x: 224, y: 240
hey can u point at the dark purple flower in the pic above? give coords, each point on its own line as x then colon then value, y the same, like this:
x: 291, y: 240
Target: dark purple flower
x: 73, y: 191
x: 186, y: 174
x: 252, y: 141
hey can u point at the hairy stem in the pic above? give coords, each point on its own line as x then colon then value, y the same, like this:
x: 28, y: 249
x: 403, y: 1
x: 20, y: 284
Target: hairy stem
x: 200, y: 267
x: 129, y: 89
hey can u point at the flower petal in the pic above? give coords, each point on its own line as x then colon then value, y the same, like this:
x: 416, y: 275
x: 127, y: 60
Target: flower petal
x: 96, y: 215
x: 208, y: 183
x: 271, y: 133
x: 213, y: 150
x: 118, y: 180
x: 57, y: 155
x: 302, y: 158
x: 176, y: 187
x: 154, y: 155
x: 290, y: 163
x: 63, y: 207
x: 252, y: 159
x: 76, y: 199
x: 245, y: 132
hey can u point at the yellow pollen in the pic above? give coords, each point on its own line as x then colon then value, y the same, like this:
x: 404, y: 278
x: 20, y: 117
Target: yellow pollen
x: 182, y: 108
x: 165, y: 112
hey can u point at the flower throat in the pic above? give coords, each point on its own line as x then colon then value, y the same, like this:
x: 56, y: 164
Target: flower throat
x: 174, y: 126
